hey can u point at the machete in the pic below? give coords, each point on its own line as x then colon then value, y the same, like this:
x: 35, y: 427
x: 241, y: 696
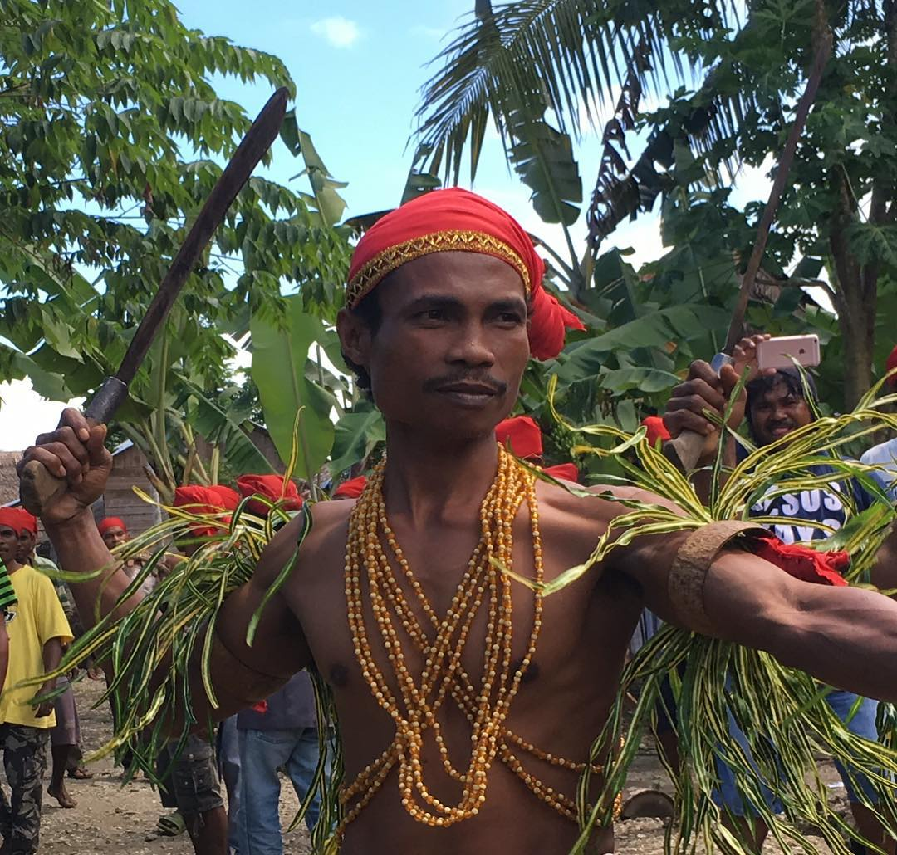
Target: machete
x: 37, y: 486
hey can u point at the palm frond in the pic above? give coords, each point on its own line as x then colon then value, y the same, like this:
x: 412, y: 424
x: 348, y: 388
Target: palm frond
x: 566, y: 56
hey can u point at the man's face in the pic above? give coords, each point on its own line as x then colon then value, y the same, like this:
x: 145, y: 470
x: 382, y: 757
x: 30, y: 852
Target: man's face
x: 9, y: 544
x: 778, y: 412
x: 115, y: 536
x: 26, y: 546
x: 451, y: 347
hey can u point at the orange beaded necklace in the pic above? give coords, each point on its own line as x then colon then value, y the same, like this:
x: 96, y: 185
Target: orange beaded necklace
x: 414, y: 710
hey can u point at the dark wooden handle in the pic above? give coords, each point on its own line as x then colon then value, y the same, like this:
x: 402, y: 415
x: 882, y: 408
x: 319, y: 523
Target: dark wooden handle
x: 685, y: 450
x: 37, y: 487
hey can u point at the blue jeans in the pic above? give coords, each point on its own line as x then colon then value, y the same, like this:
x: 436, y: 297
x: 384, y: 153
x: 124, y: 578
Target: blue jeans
x: 861, y: 724
x: 262, y: 753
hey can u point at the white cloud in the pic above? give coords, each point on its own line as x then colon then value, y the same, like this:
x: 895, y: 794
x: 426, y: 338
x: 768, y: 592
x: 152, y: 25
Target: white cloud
x: 340, y: 32
x: 24, y: 415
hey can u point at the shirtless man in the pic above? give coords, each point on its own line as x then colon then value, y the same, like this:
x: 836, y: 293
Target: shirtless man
x: 444, y: 295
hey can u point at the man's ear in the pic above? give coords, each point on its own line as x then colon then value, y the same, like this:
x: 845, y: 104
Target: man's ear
x: 355, y: 337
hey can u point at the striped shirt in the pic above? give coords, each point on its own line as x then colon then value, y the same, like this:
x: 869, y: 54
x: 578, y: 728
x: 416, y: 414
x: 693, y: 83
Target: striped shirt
x: 7, y: 594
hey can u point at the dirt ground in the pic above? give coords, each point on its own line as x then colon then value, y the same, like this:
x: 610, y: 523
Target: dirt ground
x: 114, y: 820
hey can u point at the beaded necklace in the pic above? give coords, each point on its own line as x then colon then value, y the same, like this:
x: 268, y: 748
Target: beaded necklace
x: 370, y: 544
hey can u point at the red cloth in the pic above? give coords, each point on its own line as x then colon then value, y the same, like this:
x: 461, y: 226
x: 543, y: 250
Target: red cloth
x: 657, y: 430
x: 563, y: 472
x: 350, y: 489
x: 12, y: 517
x: 28, y: 522
x: 272, y: 487
x: 804, y: 563
x: 891, y: 365
x: 459, y: 211
x: 524, y: 436
x: 206, y: 501
x: 111, y: 522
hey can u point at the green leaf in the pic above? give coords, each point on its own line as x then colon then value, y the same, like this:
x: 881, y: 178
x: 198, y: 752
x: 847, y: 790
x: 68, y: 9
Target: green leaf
x: 241, y: 455
x: 357, y: 434
x: 279, y: 355
x: 543, y: 158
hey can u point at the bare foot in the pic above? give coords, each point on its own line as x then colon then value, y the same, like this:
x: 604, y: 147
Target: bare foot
x: 62, y: 796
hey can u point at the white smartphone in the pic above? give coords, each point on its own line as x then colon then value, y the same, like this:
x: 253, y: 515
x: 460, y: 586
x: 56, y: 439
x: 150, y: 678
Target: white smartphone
x: 782, y: 352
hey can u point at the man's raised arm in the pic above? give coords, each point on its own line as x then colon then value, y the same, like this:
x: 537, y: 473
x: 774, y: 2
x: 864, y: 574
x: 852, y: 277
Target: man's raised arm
x: 846, y: 637
x: 240, y: 674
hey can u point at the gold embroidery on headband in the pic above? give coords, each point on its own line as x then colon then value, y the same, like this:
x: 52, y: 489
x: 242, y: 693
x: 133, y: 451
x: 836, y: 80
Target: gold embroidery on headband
x: 448, y: 241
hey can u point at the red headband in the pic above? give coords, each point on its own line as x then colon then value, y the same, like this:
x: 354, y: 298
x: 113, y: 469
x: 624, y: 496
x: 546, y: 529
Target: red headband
x: 351, y: 489
x: 657, y: 430
x: 272, y: 487
x: 523, y: 435
x: 456, y: 220
x: 563, y: 472
x: 111, y: 522
x: 11, y: 517
x: 206, y: 500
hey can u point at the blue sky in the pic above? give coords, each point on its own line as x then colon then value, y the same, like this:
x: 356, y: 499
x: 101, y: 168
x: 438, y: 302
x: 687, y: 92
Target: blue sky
x: 358, y: 68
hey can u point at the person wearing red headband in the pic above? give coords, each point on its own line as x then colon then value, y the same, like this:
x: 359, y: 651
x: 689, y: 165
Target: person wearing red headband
x: 444, y: 308
x: 38, y: 630
x: 273, y: 488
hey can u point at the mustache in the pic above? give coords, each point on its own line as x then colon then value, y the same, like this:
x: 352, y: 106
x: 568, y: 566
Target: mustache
x: 496, y: 386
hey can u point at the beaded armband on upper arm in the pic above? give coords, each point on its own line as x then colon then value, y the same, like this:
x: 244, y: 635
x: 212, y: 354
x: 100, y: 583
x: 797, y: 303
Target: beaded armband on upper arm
x: 689, y: 570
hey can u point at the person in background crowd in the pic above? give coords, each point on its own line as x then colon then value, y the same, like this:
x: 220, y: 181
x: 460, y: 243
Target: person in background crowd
x: 65, y: 736
x: 278, y: 733
x: 884, y: 455
x: 37, y: 630
x: 190, y: 781
x: 115, y: 533
x: 775, y: 403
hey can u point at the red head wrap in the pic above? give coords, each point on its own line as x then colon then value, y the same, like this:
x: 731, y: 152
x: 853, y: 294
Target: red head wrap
x: 457, y: 220
x: 111, y: 522
x: 523, y: 435
x: 206, y: 500
x: 11, y: 517
x: 273, y: 488
x: 891, y: 365
x: 28, y: 522
x: 563, y: 472
x: 657, y: 430
x: 351, y: 489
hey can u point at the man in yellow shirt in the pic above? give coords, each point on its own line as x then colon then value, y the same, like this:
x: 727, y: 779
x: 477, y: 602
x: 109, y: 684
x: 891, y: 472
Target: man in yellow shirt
x: 37, y: 630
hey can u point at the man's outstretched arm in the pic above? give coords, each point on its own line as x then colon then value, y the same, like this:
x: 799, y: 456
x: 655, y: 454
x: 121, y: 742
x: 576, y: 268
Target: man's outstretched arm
x: 241, y: 675
x: 846, y: 637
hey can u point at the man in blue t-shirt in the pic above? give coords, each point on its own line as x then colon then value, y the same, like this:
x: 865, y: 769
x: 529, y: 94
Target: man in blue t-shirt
x: 776, y: 405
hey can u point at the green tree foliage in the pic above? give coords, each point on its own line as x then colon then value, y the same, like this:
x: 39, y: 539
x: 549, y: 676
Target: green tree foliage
x: 740, y: 69
x: 111, y: 137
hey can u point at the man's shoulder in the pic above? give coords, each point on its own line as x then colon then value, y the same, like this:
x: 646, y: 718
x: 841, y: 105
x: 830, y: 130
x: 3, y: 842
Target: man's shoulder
x: 326, y: 536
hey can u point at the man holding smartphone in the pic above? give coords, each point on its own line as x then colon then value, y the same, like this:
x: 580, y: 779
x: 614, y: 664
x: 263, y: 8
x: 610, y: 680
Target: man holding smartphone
x: 777, y: 401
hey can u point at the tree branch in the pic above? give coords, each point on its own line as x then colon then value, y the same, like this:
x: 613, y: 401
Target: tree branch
x: 823, y: 52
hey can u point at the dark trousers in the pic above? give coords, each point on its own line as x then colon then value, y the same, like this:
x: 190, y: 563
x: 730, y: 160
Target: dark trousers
x: 24, y: 759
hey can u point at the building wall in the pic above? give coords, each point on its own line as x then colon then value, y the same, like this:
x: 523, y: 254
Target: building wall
x: 120, y: 500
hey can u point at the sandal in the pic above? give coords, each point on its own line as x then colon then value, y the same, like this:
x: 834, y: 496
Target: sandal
x: 171, y: 824
x: 80, y: 774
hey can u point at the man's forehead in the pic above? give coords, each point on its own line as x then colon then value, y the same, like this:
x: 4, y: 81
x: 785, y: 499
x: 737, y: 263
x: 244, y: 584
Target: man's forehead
x: 459, y: 275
